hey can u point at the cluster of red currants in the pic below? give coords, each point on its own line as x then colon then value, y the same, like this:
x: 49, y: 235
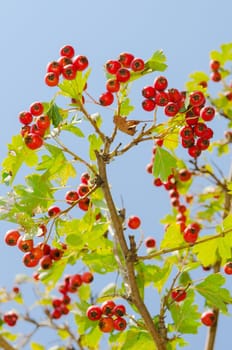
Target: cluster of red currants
x: 10, y: 318
x: 66, y: 66
x: 42, y: 253
x: 70, y: 285
x: 109, y: 316
x: 215, y: 73
x: 35, y: 125
x: 120, y: 70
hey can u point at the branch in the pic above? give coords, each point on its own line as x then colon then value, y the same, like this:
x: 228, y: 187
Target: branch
x: 5, y: 345
x: 129, y: 257
x: 184, y: 246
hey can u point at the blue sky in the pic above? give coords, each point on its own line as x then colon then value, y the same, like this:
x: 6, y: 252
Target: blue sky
x: 32, y: 33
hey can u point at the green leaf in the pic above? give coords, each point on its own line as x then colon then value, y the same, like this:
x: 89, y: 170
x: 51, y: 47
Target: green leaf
x: 74, y: 88
x: 126, y: 108
x: 196, y: 79
x: 206, y: 252
x: 84, y: 292
x: 185, y: 315
x: 157, y: 62
x: 54, y: 114
x: 95, y: 144
x: 164, y: 163
x: 172, y: 237
x: 211, y: 290
x: 36, y: 346
x: 73, y: 129
x: 18, y: 153
x: 133, y: 339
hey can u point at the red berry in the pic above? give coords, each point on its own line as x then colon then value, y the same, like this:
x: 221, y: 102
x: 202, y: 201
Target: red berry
x: 107, y: 307
x: 161, y: 98
x: 46, y: 262
x: 67, y: 51
x: 123, y: 75
x: 94, y: 313
x: 186, y: 132
x: 85, y: 178
x: 178, y: 294
x: 207, y: 134
x: 37, y: 252
x: 71, y: 196
x: 174, y: 95
x: 54, y: 67
x: 80, y: 62
x: 106, y: 99
x: 191, y: 118
x: 29, y: 260
x: 69, y: 71
x: 35, y: 130
x: 194, y: 151
x: 106, y: 324
x: 75, y: 280
x: 112, y: 66
x: 54, y: 211
x: 112, y: 85
x: 119, y: 310
x: 207, y: 113
x: 84, y: 204
x: 25, y: 118
x: 214, y: 65
x: 228, y: 268
x: 157, y: 182
x: 208, y: 318
x: 87, y: 277
x: 51, y: 79
x: 148, y: 92
x: 184, y: 175
x: 137, y: 65
x: 43, y: 122
x: 191, y: 233
x: 56, y: 254
x: 199, y: 129
x: 171, y: 109
x: 148, y: 105
x: 215, y: 76
x: 120, y: 324
x: 64, y: 61
x: 150, y: 242
x: 82, y: 190
x: 160, y: 83
x: 125, y: 59
x: 25, y: 245
x: 202, y: 143
x: 36, y: 108
x: 197, y: 98
x: 133, y: 222
x: 11, y: 237
x: 33, y: 141
x: 25, y: 130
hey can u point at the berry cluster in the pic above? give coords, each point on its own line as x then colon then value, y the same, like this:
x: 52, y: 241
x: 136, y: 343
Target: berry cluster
x: 109, y: 316
x: 190, y: 231
x: 156, y: 95
x: 66, y: 66
x: 35, y: 125
x: 120, y: 70
x: 70, y: 285
x: 195, y: 134
x: 215, y: 73
x: 10, y: 318
x: 41, y: 253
